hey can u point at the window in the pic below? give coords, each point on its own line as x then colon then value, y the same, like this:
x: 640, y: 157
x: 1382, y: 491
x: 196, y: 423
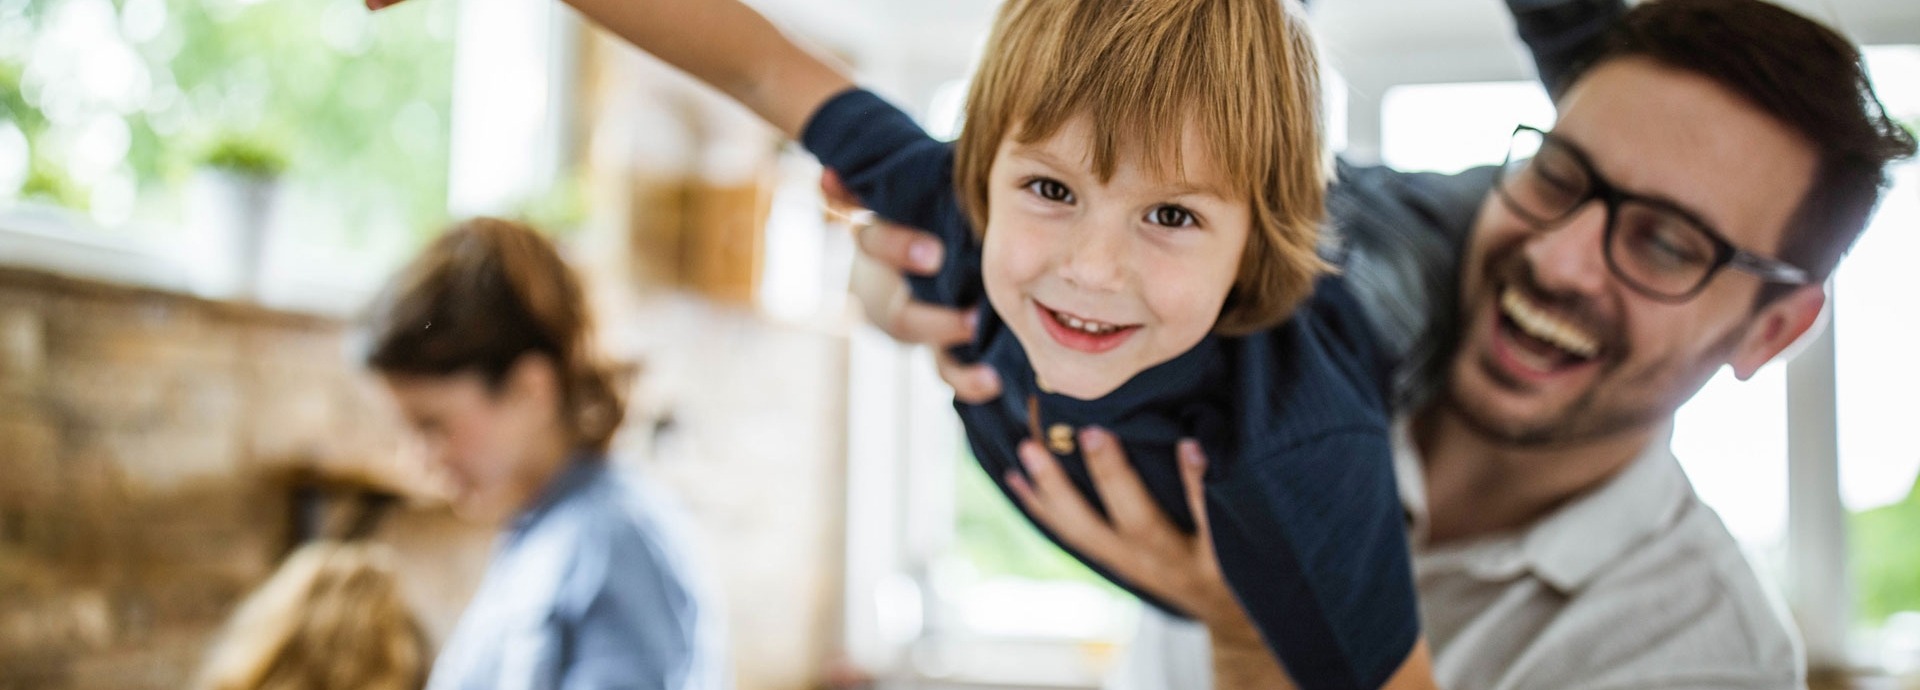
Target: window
x: 110, y: 108
x: 1879, y: 397
x: 1451, y: 127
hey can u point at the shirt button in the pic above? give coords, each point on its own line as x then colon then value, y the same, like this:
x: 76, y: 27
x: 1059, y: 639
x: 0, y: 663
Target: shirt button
x: 1060, y: 439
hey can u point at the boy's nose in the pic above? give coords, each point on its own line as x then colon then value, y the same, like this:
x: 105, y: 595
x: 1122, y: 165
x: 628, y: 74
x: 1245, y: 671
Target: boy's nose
x: 1095, y: 257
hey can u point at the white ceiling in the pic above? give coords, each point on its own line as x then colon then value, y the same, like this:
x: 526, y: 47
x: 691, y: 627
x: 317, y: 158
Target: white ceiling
x: 1399, y: 41
x: 1372, y: 42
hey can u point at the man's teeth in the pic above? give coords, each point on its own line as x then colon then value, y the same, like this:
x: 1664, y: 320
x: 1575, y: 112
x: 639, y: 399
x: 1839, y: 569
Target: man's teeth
x: 1083, y: 325
x: 1540, y: 324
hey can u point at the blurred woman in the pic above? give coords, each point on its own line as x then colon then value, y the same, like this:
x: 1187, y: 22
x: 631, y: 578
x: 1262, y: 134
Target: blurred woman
x: 331, y: 618
x: 487, y: 346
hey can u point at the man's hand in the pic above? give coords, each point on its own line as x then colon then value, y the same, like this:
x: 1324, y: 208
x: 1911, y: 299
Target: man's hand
x: 890, y: 250
x: 1135, y: 540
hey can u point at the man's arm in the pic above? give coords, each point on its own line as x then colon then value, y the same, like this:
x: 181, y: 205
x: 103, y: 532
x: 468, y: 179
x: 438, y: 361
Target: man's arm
x: 727, y: 45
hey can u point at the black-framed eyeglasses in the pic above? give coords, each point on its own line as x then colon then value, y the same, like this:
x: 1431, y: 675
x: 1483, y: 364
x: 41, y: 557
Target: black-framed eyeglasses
x: 1652, y: 245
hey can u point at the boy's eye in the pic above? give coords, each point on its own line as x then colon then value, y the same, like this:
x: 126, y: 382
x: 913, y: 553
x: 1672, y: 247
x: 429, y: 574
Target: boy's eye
x: 1171, y: 216
x: 1051, y: 190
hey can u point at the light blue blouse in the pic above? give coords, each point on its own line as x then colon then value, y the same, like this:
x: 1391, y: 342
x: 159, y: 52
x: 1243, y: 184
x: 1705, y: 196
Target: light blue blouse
x: 590, y: 588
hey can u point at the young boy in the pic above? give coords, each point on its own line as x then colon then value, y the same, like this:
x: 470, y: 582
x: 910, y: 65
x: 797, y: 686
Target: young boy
x: 1136, y: 193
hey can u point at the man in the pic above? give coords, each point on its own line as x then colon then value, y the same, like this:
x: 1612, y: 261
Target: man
x: 1709, y: 167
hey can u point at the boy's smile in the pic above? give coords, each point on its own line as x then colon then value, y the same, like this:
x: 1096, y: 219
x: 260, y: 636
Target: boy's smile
x: 1083, y: 334
x: 1103, y: 279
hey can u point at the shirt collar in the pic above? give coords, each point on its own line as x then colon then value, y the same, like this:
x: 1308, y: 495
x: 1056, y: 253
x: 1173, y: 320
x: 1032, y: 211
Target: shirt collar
x: 582, y: 467
x: 1179, y: 378
x: 1412, y: 480
x: 1571, y: 545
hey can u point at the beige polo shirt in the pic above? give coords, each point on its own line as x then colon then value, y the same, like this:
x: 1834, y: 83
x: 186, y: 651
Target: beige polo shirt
x: 1635, y: 585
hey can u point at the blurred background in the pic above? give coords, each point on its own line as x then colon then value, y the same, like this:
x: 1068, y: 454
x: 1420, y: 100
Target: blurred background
x: 197, y: 197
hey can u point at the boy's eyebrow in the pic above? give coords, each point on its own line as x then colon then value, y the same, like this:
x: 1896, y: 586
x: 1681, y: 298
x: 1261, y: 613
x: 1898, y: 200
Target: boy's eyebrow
x: 1177, y: 188
x: 1194, y: 189
x: 1036, y: 153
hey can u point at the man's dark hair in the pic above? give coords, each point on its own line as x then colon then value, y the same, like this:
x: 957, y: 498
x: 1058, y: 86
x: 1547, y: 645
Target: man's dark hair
x: 1801, y: 73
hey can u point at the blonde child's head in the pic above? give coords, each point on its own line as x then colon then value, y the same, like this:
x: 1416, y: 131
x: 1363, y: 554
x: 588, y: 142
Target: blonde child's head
x: 1145, y: 172
x: 331, y: 618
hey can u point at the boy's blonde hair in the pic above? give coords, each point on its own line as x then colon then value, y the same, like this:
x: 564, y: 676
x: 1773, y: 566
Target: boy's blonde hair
x: 1242, y: 72
x: 331, y: 618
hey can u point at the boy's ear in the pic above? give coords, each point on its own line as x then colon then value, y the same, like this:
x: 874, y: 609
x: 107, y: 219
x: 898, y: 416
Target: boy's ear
x: 1777, y: 327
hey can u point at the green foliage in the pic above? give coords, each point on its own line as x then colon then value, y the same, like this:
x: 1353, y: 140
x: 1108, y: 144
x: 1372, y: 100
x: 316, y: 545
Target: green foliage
x: 368, y: 96
x: 362, y: 99
x: 13, y: 103
x: 1001, y: 543
x: 1886, y: 558
x: 252, y: 156
x: 560, y: 211
x: 48, y: 182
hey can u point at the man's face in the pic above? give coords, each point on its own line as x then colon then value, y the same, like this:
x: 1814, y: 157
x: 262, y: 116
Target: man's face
x: 1532, y: 297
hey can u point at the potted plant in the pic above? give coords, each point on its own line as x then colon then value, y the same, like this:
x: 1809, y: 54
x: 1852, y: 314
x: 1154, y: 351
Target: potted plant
x: 235, y: 189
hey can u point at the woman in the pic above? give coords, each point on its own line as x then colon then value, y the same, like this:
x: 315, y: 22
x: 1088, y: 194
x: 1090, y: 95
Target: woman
x: 487, y: 346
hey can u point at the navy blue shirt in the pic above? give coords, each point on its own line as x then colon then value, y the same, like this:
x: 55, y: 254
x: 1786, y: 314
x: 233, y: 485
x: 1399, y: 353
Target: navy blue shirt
x: 1300, y: 493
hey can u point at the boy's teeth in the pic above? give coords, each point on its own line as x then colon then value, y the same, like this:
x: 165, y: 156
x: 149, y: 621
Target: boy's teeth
x: 1083, y: 325
x: 1540, y: 324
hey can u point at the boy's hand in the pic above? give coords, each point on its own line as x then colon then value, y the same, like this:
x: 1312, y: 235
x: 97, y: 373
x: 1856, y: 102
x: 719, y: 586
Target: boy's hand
x: 889, y: 250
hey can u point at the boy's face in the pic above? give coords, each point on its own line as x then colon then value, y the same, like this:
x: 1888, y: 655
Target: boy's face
x: 1101, y: 281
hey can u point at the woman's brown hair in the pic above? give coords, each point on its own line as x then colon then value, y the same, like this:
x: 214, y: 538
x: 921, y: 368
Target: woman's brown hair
x: 484, y: 295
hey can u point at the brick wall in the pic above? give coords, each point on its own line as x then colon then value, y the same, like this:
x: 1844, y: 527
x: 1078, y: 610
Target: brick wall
x: 140, y: 434
x: 145, y: 437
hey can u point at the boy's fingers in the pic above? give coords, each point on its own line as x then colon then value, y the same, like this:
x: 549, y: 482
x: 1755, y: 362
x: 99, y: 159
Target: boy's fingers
x: 1129, y: 507
x: 973, y: 384
x: 901, y: 248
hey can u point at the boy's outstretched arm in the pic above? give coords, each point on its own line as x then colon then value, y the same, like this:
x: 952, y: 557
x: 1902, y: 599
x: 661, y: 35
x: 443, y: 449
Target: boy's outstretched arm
x: 727, y: 45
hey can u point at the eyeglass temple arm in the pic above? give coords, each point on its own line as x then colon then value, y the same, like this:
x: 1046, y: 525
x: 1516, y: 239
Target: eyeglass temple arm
x: 1774, y: 271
